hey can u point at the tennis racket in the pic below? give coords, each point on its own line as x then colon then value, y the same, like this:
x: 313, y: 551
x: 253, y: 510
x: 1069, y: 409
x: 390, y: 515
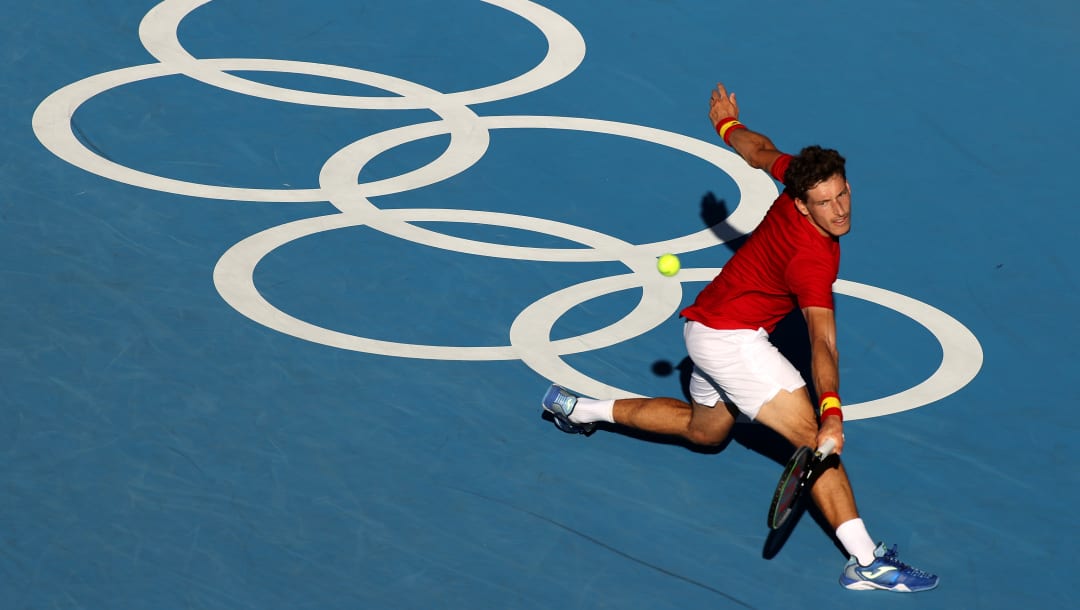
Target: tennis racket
x: 793, y: 482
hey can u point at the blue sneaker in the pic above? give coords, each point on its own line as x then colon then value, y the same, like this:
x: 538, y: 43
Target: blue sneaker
x: 886, y: 572
x: 560, y: 403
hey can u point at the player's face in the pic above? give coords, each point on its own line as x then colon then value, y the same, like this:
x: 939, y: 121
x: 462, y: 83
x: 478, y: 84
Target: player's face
x: 828, y: 206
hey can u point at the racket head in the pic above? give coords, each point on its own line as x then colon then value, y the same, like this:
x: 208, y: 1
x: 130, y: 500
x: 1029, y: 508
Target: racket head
x: 790, y: 487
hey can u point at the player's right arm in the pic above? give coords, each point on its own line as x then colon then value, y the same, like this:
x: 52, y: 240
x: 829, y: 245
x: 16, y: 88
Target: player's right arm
x: 825, y: 368
x: 755, y: 148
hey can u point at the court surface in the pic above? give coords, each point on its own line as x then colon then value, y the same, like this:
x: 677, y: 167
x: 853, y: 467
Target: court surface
x: 284, y: 282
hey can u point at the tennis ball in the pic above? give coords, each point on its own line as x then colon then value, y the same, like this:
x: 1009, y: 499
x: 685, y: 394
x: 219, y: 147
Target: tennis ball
x: 668, y: 265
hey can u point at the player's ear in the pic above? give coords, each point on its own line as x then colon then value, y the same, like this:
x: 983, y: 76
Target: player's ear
x: 801, y: 206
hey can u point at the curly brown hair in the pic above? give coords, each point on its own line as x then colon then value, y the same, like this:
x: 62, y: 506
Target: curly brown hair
x: 813, y: 165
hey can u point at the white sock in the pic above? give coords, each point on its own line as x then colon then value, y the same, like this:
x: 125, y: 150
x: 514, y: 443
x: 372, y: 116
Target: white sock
x: 589, y: 410
x: 857, y: 541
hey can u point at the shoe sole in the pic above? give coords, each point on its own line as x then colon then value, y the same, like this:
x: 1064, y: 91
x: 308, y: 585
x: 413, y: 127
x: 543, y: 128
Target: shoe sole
x: 565, y: 425
x: 866, y: 585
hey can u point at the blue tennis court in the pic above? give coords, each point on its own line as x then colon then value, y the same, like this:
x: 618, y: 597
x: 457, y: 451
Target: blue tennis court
x: 285, y: 282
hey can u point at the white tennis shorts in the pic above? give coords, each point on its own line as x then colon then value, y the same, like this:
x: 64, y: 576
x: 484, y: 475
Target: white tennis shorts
x: 739, y: 367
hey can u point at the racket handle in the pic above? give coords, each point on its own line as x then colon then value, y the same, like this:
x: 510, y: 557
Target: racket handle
x: 826, y: 448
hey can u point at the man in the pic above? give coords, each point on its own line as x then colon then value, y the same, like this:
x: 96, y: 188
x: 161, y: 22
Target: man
x: 790, y: 260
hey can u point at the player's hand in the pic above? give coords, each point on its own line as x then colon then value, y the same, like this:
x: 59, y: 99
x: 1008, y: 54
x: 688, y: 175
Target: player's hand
x: 832, y: 428
x: 722, y: 105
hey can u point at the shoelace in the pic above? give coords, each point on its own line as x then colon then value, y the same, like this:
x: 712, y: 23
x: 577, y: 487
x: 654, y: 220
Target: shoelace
x: 891, y: 558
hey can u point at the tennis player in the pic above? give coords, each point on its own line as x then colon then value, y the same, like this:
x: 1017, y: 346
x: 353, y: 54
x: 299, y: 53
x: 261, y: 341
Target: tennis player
x: 790, y: 260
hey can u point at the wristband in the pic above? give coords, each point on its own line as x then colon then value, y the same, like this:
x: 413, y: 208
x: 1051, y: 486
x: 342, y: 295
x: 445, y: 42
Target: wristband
x: 725, y: 127
x: 830, y: 406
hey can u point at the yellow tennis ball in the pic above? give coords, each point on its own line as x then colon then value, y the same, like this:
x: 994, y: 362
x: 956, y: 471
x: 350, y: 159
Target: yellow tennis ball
x: 668, y: 265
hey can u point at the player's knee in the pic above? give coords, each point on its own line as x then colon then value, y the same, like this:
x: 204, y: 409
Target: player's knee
x: 708, y: 434
x: 709, y: 437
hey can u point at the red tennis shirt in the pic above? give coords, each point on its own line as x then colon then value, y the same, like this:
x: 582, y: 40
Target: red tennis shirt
x: 785, y: 263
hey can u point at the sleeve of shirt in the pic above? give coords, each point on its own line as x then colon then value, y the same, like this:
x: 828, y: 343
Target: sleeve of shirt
x: 811, y: 281
x: 779, y: 167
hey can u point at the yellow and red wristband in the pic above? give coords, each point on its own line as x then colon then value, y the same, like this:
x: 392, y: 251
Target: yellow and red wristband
x: 829, y: 405
x: 725, y: 127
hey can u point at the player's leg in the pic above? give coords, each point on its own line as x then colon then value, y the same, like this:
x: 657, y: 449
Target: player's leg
x: 871, y: 566
x: 706, y: 421
x: 698, y: 424
x: 791, y: 414
x: 668, y: 416
x: 750, y: 372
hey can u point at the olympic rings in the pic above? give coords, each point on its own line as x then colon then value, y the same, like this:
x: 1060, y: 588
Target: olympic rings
x: 530, y: 333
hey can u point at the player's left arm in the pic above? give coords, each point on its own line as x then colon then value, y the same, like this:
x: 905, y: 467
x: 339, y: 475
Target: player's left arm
x: 755, y: 148
x: 825, y: 367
